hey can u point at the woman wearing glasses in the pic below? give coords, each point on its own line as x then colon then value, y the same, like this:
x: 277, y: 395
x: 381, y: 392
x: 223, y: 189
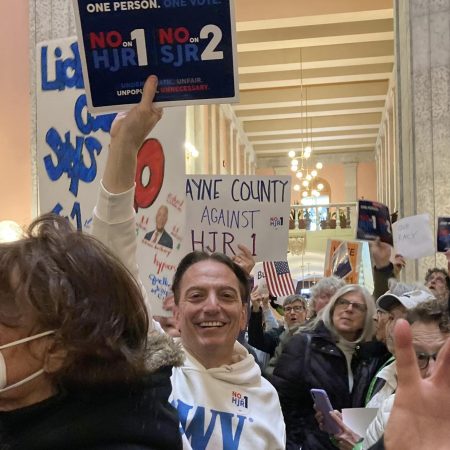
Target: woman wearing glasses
x: 328, y: 353
x: 430, y: 330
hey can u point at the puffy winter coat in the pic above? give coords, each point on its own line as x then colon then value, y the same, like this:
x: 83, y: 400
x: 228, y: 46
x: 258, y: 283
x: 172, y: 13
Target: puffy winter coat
x: 313, y: 360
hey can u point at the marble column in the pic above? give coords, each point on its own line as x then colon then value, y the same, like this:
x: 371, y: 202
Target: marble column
x: 423, y: 114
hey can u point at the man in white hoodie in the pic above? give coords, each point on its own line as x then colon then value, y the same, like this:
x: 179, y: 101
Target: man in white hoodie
x: 221, y: 398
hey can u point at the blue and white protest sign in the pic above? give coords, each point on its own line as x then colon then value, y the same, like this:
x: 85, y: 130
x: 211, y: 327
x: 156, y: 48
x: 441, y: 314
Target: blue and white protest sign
x: 72, y: 146
x: 374, y: 221
x: 71, y: 143
x: 189, y: 44
x: 227, y: 210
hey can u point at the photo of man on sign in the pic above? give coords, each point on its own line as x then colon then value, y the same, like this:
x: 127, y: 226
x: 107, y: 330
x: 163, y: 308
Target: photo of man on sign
x: 159, y: 235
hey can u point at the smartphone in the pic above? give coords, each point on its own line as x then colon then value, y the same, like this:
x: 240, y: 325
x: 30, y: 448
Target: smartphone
x: 323, y: 404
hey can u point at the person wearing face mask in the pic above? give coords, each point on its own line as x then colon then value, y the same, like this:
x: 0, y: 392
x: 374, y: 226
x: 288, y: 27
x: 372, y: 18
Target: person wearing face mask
x: 78, y: 367
x: 4, y: 386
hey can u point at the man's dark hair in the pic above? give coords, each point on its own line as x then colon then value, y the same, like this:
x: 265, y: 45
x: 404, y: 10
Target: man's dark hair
x: 194, y: 257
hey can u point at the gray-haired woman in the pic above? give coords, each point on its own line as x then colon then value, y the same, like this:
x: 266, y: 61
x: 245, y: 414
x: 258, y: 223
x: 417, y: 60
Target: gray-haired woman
x: 328, y: 354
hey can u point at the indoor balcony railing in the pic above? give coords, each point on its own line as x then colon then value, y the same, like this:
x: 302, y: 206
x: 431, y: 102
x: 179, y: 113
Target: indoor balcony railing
x: 323, y: 217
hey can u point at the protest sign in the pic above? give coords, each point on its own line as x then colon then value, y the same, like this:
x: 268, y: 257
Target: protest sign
x: 72, y: 147
x: 413, y: 237
x: 189, y: 44
x: 227, y: 210
x: 443, y: 234
x: 71, y: 143
x: 342, y: 259
x: 259, y: 278
x: 373, y: 221
x: 160, y: 205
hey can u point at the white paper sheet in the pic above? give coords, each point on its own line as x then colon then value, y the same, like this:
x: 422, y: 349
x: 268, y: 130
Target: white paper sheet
x: 413, y: 237
x: 358, y: 419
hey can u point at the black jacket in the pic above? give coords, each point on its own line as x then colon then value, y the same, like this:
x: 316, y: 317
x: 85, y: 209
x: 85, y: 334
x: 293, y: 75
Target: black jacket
x: 130, y: 417
x: 265, y: 341
x: 381, y: 279
x: 317, y: 362
x: 123, y: 416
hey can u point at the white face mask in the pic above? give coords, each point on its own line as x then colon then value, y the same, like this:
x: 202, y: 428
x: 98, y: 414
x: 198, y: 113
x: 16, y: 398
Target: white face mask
x: 3, y: 380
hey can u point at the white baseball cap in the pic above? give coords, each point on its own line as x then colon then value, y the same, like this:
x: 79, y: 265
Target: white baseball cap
x: 409, y: 299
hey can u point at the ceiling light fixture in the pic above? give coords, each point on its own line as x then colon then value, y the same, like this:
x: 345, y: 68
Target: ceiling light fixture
x: 310, y: 185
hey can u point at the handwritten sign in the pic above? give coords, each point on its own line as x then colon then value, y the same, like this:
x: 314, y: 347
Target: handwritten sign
x: 186, y: 43
x: 72, y: 146
x: 259, y: 278
x: 160, y: 205
x: 228, y: 210
x: 71, y: 143
x: 413, y: 237
x: 346, y: 253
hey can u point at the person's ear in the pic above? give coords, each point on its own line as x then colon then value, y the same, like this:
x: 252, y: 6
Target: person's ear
x: 177, y: 316
x: 243, y: 319
x: 54, y: 358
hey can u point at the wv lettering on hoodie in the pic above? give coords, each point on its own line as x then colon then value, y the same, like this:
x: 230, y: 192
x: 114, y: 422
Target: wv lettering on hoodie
x: 198, y: 432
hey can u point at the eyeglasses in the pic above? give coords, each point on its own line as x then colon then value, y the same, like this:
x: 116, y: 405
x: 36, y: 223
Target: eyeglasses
x: 290, y: 309
x: 343, y: 303
x: 423, y: 359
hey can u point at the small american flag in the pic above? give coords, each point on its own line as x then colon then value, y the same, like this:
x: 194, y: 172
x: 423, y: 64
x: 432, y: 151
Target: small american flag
x: 278, y: 278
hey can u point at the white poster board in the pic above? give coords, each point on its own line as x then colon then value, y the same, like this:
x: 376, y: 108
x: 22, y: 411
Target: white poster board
x: 71, y: 152
x: 259, y: 278
x: 413, y: 237
x: 71, y: 143
x: 159, y: 260
x: 358, y: 419
x: 227, y: 210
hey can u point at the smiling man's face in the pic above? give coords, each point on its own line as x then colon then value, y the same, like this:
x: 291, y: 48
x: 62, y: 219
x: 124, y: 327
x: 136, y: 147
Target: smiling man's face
x: 210, y: 312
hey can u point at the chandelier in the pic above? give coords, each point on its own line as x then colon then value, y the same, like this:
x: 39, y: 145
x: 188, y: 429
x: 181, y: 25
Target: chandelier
x: 300, y: 162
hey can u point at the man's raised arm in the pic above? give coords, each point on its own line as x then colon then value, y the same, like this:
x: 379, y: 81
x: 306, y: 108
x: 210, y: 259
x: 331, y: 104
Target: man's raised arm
x: 114, y: 215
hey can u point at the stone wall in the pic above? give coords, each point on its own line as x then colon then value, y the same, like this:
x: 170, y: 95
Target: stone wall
x: 423, y: 113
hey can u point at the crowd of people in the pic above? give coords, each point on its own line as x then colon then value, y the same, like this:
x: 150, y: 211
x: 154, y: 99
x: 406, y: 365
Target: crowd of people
x: 84, y: 365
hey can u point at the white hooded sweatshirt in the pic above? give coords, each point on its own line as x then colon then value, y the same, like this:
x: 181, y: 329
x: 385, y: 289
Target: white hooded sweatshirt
x: 231, y: 407
x: 228, y: 407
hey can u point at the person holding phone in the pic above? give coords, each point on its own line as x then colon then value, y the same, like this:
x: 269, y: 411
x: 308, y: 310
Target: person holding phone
x: 329, y: 353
